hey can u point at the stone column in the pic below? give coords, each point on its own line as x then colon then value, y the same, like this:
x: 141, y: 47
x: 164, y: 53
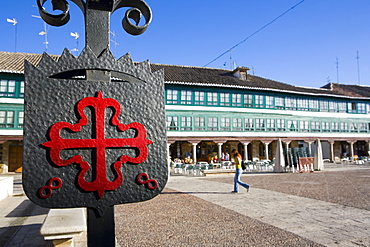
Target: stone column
x: 352, y: 151
x: 332, y: 158
x: 287, y: 161
x: 194, y: 152
x: 267, y: 150
x: 246, y: 150
x: 219, y: 151
x: 309, y: 149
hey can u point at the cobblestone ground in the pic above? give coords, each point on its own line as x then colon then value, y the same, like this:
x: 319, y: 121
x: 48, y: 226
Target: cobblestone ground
x: 177, y: 219
x: 346, y: 187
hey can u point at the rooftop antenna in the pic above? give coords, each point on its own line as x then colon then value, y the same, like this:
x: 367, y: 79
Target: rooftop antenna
x: 76, y: 36
x: 114, y: 41
x: 337, y: 65
x: 14, y: 22
x: 358, y: 68
x: 43, y: 33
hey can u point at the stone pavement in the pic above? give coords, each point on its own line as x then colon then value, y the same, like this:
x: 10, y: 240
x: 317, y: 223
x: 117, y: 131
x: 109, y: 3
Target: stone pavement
x: 322, y: 222
x: 201, y: 211
x: 20, y: 219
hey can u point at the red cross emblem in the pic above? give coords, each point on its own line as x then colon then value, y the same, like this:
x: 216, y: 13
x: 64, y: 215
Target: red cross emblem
x: 99, y: 143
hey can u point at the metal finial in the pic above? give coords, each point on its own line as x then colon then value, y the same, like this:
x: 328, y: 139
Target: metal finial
x: 138, y: 9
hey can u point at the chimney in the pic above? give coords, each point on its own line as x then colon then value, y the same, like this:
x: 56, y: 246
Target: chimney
x: 241, y: 73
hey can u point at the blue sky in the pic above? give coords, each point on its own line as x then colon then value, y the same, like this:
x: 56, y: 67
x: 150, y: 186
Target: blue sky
x: 301, y: 48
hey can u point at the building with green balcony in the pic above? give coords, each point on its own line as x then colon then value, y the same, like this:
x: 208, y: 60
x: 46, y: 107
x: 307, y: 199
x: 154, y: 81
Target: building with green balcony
x: 212, y: 111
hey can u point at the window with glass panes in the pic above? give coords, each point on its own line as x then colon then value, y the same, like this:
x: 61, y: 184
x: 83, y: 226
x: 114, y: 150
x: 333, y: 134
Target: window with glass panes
x: 259, y: 100
x: 236, y: 99
x: 280, y: 124
x: 361, y: 108
x: 315, y: 126
x: 344, y: 127
x: 333, y: 106
x: 342, y: 107
x: 172, y: 123
x: 270, y: 102
x: 304, y: 126
x: 185, y: 97
x: 225, y: 124
x: 237, y: 124
x: 292, y: 125
x: 270, y: 124
x: 21, y: 90
x: 325, y: 126
x: 20, y: 119
x: 260, y: 124
x: 279, y: 103
x: 351, y: 107
x: 290, y: 103
x: 323, y: 105
x: 7, y: 88
x: 248, y: 100
x: 249, y: 124
x: 199, y: 98
x: 212, y: 98
x: 303, y: 104
x: 313, y: 104
x: 186, y: 123
x: 224, y: 99
x: 363, y: 127
x: 353, y: 127
x: 212, y: 123
x: 6, y: 119
x: 172, y: 96
x: 199, y: 123
x: 335, y: 127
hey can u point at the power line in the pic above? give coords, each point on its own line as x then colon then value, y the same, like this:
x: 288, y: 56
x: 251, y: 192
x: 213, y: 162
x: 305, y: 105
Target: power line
x: 268, y: 24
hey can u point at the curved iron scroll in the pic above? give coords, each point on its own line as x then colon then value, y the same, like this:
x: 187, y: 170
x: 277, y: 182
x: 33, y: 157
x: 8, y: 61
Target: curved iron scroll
x: 138, y: 8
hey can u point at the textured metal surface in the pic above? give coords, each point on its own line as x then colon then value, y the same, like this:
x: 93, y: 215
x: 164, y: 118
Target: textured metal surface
x: 137, y: 10
x: 51, y: 98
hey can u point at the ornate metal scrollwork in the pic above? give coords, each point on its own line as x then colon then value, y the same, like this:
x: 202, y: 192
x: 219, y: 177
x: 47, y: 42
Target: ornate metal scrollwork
x: 137, y: 10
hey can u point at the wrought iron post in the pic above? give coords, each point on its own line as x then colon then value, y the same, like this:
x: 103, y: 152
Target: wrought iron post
x: 94, y: 185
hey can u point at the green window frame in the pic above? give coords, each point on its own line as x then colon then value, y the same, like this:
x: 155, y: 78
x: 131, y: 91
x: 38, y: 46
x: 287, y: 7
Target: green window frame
x: 236, y: 99
x: 199, y: 98
x: 225, y: 124
x: 270, y: 124
x: 280, y: 124
x: 259, y: 101
x: 212, y: 98
x: 200, y: 123
x: 7, y: 88
x: 335, y: 127
x: 313, y: 104
x: 186, y: 123
x: 237, y: 124
x: 212, y: 123
x: 186, y: 97
x: 249, y: 124
x: 260, y: 124
x: 270, y: 102
x: 172, y: 96
x: 324, y: 105
x: 344, y: 127
x: 6, y: 119
x: 248, y: 100
x: 279, y: 103
x: 315, y: 126
x: 304, y: 126
x: 172, y: 123
x: 224, y: 99
x: 20, y: 119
